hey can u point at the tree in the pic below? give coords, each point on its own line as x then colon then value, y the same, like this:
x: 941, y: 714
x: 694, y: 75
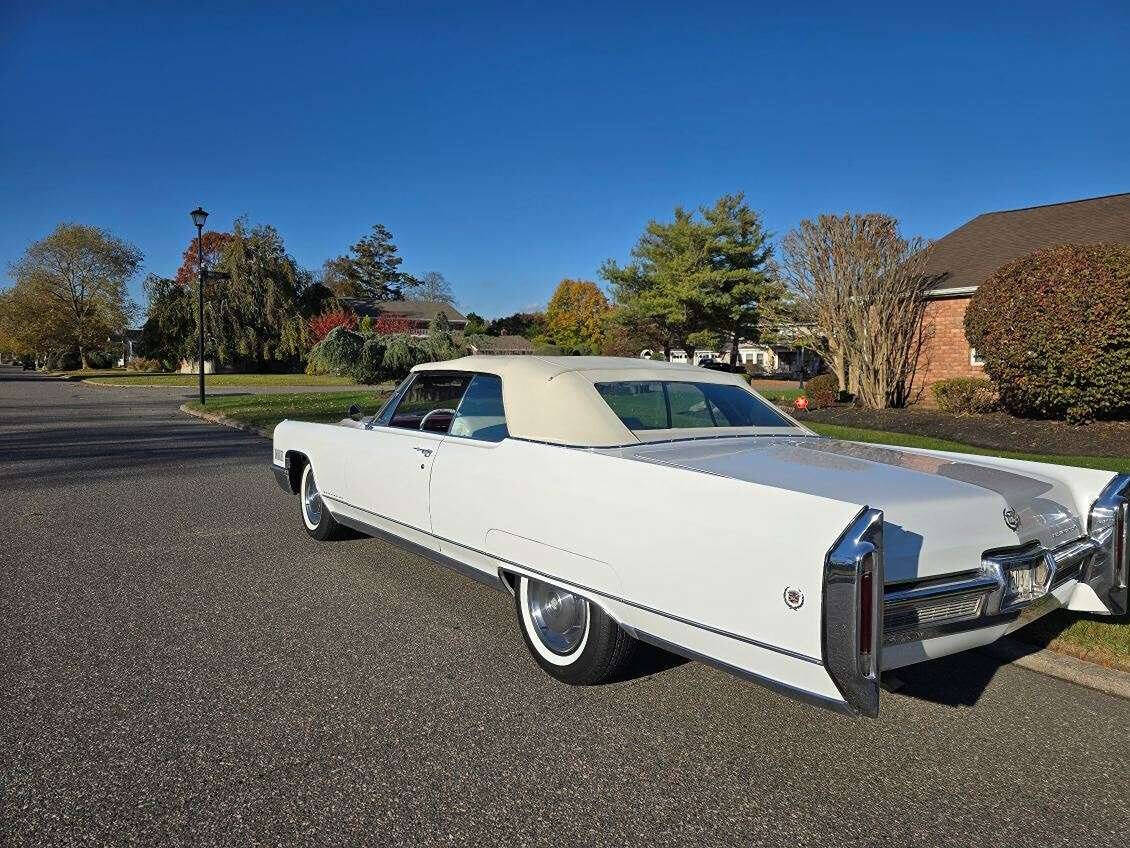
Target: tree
x: 370, y: 270
x: 576, y: 316
x: 743, y: 287
x: 434, y: 286
x: 862, y: 285
x: 527, y: 324
x: 169, y: 332
x: 71, y: 286
x: 476, y: 325
x: 212, y: 245
x: 253, y: 317
x: 697, y: 279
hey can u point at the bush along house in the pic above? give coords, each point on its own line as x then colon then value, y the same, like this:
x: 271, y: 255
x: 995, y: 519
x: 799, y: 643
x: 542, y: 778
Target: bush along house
x: 962, y: 260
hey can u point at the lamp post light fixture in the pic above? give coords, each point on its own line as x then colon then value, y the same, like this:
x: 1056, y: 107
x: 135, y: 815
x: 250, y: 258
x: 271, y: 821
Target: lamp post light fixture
x: 199, y: 216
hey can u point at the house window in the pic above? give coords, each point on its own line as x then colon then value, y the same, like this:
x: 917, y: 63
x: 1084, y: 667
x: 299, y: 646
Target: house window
x: 761, y: 359
x: 974, y: 359
x: 749, y: 357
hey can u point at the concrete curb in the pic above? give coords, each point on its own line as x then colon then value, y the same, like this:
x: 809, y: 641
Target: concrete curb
x: 1042, y: 660
x: 217, y: 418
x: 1062, y: 666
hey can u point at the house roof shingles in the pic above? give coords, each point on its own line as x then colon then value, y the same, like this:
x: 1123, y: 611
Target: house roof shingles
x: 417, y: 310
x: 972, y: 252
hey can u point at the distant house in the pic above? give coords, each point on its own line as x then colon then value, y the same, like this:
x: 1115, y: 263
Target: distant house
x: 495, y: 345
x: 970, y: 254
x: 765, y: 358
x: 418, y: 313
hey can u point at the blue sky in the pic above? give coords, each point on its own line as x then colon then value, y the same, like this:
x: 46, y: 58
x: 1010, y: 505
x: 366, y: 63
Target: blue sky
x: 511, y: 145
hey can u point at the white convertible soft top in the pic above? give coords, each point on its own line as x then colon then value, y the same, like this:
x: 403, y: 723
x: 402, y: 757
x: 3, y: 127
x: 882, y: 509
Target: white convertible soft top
x: 553, y: 399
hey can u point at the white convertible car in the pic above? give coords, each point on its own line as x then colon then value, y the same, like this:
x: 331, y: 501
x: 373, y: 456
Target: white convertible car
x: 623, y: 500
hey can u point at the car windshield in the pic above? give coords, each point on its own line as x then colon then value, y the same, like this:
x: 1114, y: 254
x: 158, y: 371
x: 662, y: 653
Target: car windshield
x: 672, y: 405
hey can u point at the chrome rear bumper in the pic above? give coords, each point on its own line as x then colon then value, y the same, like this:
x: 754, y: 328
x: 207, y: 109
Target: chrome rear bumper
x: 920, y: 610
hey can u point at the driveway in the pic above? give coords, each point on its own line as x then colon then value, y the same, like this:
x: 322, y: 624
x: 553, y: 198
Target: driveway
x: 182, y: 664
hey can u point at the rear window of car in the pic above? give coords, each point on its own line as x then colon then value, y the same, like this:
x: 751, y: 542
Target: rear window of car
x: 676, y: 405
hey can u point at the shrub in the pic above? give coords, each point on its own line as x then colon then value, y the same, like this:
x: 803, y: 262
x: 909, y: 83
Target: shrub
x: 961, y: 395
x: 336, y: 354
x: 1054, y: 331
x: 369, y: 367
x: 392, y: 325
x: 101, y: 358
x: 401, y: 353
x: 822, y: 391
x: 320, y: 325
x: 141, y: 363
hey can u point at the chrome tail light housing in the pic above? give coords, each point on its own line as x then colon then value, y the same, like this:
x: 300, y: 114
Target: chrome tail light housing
x: 852, y: 633
x: 1108, y: 525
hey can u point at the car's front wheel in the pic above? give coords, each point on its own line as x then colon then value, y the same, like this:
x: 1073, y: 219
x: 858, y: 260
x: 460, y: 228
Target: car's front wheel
x: 570, y: 637
x: 316, y: 517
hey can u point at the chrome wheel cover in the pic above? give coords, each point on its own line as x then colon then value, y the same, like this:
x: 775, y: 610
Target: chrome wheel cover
x: 560, y: 618
x: 312, y: 501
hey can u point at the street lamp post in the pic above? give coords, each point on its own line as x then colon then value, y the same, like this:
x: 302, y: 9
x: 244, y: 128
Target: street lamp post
x: 199, y: 216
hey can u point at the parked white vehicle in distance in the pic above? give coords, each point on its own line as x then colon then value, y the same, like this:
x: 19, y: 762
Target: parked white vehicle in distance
x: 622, y: 500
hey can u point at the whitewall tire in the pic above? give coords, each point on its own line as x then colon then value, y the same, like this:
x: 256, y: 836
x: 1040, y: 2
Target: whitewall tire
x: 316, y: 516
x: 569, y: 636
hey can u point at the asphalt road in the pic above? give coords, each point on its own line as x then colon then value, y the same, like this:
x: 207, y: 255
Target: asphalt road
x: 180, y: 663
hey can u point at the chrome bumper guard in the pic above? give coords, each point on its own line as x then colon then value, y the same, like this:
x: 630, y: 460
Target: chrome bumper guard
x: 1010, y: 579
x: 852, y: 629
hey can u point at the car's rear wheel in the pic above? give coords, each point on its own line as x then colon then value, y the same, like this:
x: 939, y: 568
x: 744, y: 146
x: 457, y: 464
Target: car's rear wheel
x: 316, y: 517
x: 569, y: 636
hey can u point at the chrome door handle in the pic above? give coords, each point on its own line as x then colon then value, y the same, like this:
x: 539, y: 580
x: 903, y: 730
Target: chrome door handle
x: 424, y: 451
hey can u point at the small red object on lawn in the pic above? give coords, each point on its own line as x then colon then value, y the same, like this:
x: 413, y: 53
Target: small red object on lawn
x: 801, y: 402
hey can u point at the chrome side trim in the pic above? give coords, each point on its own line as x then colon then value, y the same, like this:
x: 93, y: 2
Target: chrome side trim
x: 427, y: 553
x: 853, y: 590
x: 492, y: 580
x: 1108, y: 525
x: 768, y: 682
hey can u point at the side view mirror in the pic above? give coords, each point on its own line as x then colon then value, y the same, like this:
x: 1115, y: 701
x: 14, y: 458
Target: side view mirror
x: 354, y: 412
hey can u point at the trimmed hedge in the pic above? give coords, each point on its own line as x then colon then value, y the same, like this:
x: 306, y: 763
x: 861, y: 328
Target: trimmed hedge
x: 1054, y: 331
x: 961, y: 395
x: 822, y: 391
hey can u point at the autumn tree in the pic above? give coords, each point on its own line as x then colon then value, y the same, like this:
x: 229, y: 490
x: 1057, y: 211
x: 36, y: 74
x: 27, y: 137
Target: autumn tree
x: 862, y: 286
x: 71, y: 287
x: 212, y: 245
x: 370, y: 270
x: 576, y: 316
x: 321, y: 324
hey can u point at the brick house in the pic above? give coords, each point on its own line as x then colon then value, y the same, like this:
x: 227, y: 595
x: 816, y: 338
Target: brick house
x: 962, y: 260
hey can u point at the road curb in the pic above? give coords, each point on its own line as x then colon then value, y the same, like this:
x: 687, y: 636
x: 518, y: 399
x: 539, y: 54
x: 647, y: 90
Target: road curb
x: 1062, y: 666
x: 217, y: 418
x: 1043, y: 660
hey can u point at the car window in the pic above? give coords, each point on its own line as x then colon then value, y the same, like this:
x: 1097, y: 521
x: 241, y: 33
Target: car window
x: 431, y: 400
x: 640, y: 405
x: 480, y: 414
x: 689, y: 406
x: 672, y: 404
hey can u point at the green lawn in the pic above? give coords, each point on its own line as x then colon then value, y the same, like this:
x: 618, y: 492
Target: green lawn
x: 265, y: 411
x: 1090, y: 637
x: 139, y: 378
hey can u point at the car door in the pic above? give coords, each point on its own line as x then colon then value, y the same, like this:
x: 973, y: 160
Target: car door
x: 390, y: 471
